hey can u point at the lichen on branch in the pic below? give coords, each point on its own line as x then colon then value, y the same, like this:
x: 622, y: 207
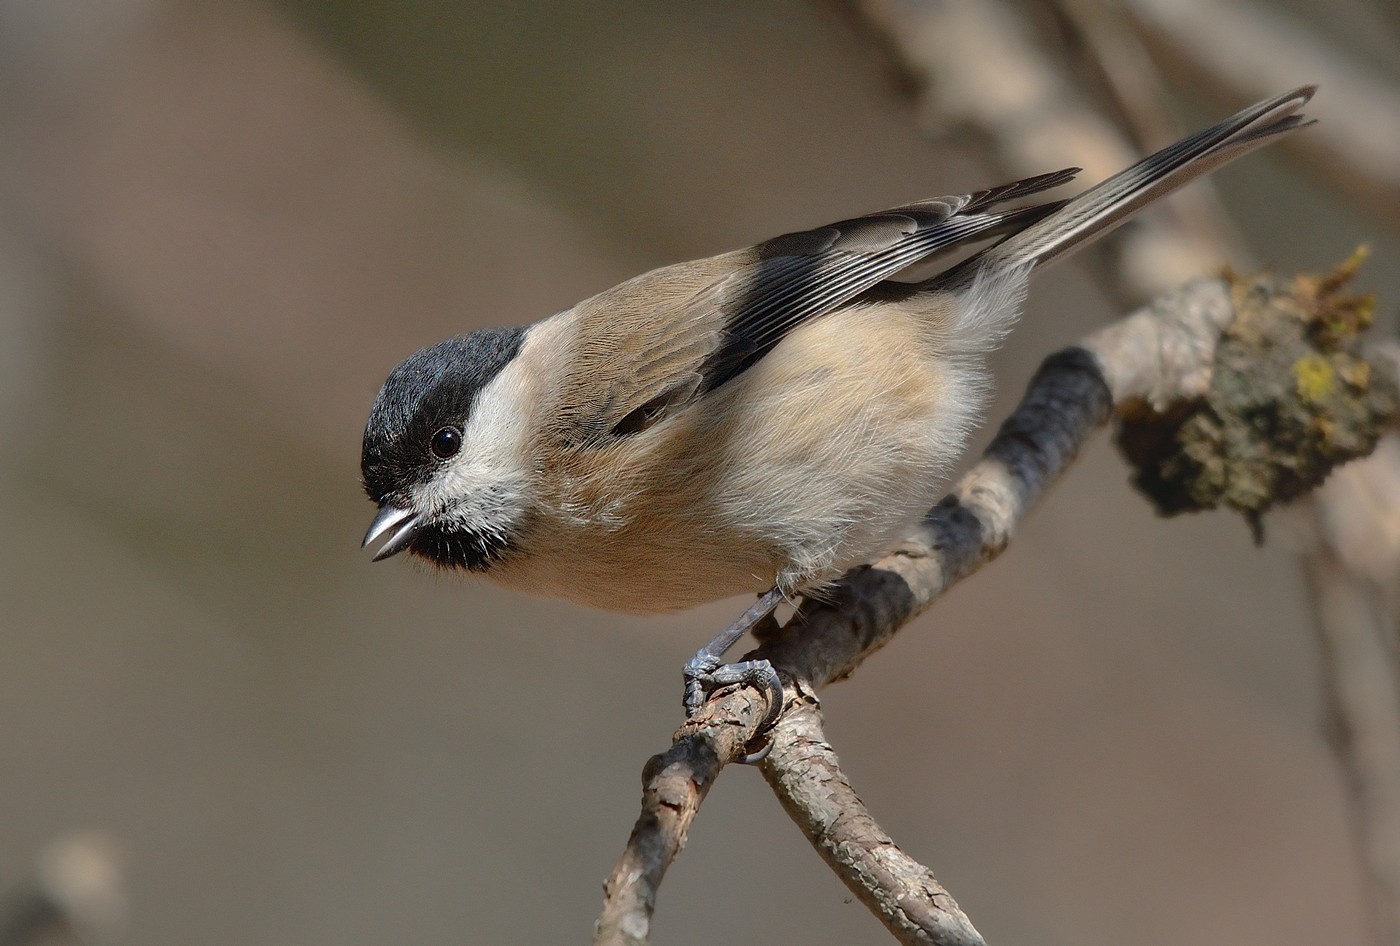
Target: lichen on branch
x: 1291, y: 397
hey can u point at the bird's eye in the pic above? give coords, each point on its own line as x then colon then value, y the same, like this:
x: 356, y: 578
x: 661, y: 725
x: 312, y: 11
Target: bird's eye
x: 446, y: 443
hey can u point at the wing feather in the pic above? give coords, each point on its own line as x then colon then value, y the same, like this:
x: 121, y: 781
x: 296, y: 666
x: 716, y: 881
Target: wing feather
x: 657, y: 342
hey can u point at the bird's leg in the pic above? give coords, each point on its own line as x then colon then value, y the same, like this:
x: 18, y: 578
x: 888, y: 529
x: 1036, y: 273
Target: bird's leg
x: 708, y: 671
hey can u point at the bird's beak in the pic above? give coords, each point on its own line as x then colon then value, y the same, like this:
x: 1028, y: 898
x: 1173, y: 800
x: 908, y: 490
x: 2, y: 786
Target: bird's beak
x: 402, y: 523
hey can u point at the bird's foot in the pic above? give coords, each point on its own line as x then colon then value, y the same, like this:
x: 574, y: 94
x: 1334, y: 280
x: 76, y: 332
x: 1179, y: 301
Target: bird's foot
x: 707, y: 670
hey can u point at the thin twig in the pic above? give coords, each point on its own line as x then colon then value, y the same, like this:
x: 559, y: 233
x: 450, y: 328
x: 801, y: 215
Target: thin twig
x: 805, y: 775
x: 674, y: 784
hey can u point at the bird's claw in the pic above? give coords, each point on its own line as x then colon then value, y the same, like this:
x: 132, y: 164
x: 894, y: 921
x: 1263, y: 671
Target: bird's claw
x: 707, y: 670
x: 705, y: 673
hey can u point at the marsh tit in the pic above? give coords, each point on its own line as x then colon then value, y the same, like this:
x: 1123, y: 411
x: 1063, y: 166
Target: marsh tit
x: 758, y: 421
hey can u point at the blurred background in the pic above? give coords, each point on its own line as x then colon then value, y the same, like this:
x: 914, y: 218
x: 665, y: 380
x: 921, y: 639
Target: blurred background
x: 223, y: 222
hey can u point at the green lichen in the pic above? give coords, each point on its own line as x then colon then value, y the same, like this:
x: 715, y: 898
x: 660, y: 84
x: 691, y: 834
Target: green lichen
x: 1290, y: 399
x: 1315, y: 377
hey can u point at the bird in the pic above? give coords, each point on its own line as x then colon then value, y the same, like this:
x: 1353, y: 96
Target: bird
x: 758, y: 421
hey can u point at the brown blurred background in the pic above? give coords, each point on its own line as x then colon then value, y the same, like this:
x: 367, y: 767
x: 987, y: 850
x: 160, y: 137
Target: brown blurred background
x: 223, y: 222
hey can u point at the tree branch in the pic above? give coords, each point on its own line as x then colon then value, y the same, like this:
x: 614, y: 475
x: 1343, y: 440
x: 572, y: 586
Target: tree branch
x: 674, y: 783
x: 804, y: 773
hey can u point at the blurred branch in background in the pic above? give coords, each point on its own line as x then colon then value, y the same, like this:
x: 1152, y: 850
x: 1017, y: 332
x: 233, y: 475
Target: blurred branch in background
x: 1352, y: 558
x: 76, y: 897
x: 1234, y: 50
x: 975, y: 65
x: 1228, y: 49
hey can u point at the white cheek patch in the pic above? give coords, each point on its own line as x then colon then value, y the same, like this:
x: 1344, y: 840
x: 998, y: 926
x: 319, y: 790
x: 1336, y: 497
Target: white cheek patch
x: 483, y: 487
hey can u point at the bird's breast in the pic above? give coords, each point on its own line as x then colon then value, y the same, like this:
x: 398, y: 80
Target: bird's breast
x: 816, y: 459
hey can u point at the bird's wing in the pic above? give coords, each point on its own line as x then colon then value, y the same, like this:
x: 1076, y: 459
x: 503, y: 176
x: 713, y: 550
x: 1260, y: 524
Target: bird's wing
x: 657, y: 342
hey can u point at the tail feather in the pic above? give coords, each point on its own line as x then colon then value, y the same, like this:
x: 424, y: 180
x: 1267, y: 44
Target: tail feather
x: 1105, y: 206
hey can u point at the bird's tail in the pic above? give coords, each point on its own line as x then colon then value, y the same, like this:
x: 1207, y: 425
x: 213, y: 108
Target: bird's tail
x: 1105, y: 206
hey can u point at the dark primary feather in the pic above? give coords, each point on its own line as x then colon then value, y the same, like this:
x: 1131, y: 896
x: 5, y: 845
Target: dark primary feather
x: 799, y: 276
